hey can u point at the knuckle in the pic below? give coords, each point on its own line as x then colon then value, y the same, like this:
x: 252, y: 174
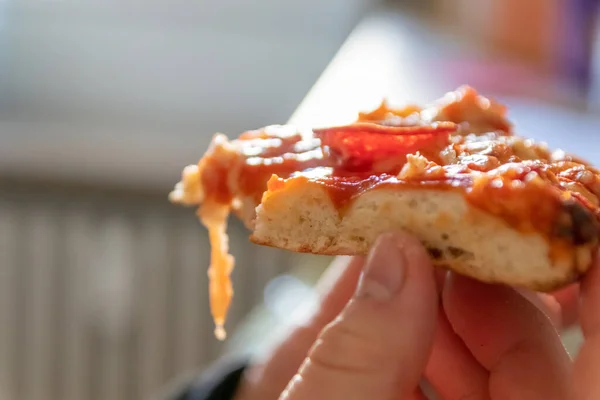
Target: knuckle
x: 344, y: 347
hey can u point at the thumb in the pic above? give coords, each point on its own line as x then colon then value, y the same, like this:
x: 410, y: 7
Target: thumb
x: 378, y: 346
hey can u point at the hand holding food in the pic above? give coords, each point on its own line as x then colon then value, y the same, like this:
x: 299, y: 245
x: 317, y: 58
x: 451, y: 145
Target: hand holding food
x: 486, y: 203
x: 378, y: 336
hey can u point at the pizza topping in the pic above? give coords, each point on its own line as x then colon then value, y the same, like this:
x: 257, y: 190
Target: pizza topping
x: 576, y: 187
x: 449, y: 155
x: 475, y: 113
x: 527, y: 149
x: 587, y: 177
x: 479, y: 162
x: 372, y: 148
x: 575, y: 224
x: 240, y: 168
x: 416, y: 165
x: 506, y: 192
x: 384, y: 115
x: 342, y: 190
x: 189, y: 191
x: 495, y: 149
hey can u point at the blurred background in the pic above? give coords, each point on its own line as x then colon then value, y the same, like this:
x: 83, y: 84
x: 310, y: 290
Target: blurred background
x: 102, y: 282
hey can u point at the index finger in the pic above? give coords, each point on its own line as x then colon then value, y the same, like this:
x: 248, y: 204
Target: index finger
x: 587, y: 363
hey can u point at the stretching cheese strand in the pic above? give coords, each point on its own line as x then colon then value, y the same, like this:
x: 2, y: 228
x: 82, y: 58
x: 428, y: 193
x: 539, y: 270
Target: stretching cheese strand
x: 214, y: 217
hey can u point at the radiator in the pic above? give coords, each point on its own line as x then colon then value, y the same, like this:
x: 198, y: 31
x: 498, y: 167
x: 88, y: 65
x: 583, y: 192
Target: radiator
x: 103, y: 294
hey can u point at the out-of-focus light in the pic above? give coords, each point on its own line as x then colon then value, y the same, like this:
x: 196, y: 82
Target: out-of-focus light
x: 290, y: 300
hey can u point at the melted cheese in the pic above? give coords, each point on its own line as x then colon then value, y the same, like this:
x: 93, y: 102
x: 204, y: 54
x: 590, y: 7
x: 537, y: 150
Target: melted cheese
x: 214, y: 217
x: 189, y: 190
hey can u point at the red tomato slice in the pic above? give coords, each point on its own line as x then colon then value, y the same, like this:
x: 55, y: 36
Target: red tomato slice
x: 358, y: 146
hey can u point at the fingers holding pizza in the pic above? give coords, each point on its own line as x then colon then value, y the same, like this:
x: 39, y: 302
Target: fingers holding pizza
x: 514, y: 340
x: 489, y: 341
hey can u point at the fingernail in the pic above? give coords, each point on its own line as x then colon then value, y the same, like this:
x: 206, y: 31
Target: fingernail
x: 384, y: 270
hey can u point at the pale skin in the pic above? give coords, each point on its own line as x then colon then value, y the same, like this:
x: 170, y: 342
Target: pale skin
x: 378, y: 336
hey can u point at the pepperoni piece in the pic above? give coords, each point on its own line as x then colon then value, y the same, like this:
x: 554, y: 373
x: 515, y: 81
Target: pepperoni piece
x: 357, y: 147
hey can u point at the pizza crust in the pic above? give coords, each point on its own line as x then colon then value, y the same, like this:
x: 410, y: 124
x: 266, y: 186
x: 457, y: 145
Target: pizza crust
x: 301, y: 217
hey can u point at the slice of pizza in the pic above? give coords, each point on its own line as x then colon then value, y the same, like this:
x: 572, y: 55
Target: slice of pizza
x: 486, y: 203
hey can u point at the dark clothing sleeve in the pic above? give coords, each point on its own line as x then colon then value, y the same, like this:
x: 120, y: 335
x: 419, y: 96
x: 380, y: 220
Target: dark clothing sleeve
x: 220, y: 382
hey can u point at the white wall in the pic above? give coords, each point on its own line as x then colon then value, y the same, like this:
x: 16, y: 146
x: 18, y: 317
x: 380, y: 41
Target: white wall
x: 100, y: 82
